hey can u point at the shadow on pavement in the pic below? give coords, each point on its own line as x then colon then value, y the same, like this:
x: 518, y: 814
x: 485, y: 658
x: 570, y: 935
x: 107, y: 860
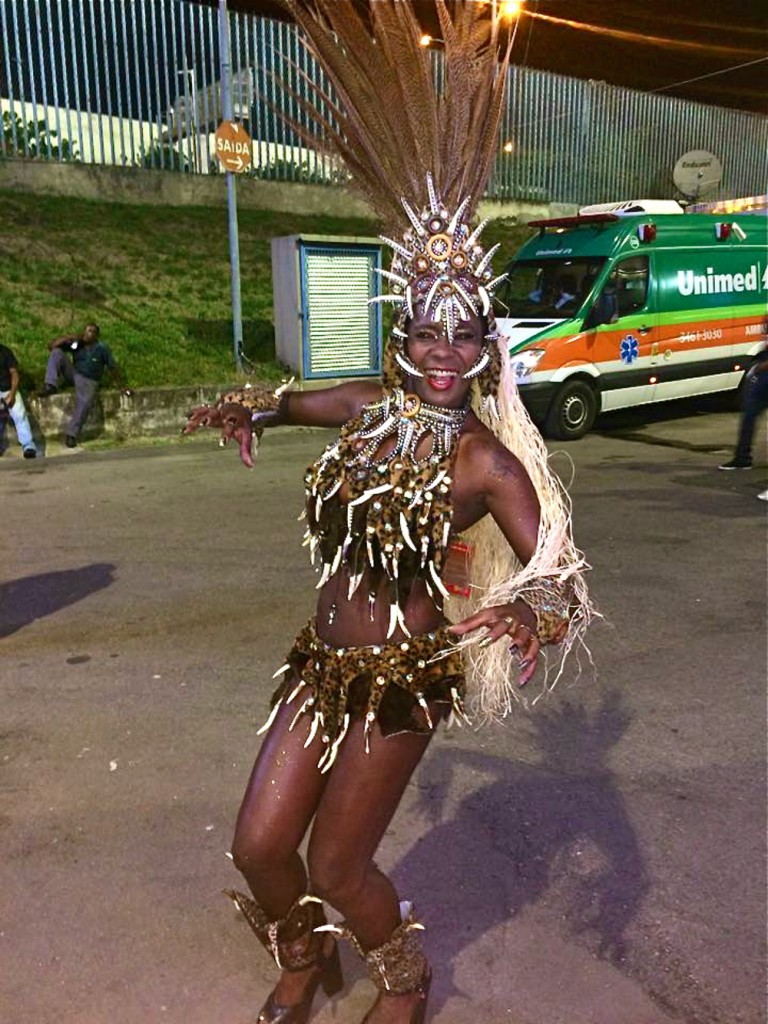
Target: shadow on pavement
x: 33, y: 597
x: 555, y: 833
x: 633, y: 424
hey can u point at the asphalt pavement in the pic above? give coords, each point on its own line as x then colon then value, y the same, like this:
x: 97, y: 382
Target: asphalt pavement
x: 598, y: 860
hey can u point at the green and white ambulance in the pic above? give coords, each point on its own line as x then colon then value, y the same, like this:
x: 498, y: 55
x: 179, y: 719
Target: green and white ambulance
x: 631, y: 303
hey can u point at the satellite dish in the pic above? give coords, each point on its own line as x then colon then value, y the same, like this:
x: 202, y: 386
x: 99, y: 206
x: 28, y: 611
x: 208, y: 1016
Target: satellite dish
x: 697, y: 173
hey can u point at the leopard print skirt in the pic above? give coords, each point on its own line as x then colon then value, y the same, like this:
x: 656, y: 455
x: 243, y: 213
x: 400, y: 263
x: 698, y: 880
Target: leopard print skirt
x: 402, y: 687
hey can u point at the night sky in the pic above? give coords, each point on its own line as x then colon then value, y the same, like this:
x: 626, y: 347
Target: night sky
x: 653, y: 45
x: 641, y: 44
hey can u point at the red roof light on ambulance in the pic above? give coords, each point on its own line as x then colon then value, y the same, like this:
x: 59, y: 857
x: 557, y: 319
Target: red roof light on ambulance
x: 646, y: 232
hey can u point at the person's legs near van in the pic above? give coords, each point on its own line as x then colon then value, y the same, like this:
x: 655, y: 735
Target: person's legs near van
x: 755, y: 401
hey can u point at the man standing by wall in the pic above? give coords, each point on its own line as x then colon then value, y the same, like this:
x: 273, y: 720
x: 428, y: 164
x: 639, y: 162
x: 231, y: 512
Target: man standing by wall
x: 81, y: 360
x: 10, y: 398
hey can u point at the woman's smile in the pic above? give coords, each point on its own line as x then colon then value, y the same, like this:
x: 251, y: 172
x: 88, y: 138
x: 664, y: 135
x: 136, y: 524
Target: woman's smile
x: 441, y: 378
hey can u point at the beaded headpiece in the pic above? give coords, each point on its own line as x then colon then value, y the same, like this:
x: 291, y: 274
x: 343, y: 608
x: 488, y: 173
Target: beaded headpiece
x: 441, y: 270
x: 440, y: 266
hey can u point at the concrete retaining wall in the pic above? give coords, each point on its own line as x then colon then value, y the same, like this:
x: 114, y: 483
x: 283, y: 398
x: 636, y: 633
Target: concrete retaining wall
x: 137, y: 185
x: 146, y: 412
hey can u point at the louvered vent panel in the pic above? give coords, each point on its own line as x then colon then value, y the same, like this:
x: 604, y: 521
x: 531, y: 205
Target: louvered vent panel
x: 338, y: 287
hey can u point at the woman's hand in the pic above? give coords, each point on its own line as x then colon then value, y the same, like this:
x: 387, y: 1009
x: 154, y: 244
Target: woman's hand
x: 517, y: 622
x: 232, y: 419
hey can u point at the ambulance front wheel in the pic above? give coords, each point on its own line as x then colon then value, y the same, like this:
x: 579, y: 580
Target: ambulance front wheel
x: 572, y: 412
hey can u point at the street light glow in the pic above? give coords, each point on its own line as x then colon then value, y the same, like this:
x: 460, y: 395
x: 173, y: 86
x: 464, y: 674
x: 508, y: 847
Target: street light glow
x: 425, y: 40
x: 508, y: 146
x: 510, y: 8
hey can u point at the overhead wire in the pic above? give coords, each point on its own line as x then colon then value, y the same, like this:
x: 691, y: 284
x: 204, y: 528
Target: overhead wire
x: 711, y: 74
x: 639, y: 37
x: 663, y: 88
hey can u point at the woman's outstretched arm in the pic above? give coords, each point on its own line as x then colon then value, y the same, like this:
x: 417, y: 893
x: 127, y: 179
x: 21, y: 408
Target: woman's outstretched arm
x: 246, y: 412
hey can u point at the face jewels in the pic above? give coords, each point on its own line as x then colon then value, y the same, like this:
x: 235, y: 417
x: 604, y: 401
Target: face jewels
x: 478, y: 367
x: 332, y: 613
x: 407, y: 365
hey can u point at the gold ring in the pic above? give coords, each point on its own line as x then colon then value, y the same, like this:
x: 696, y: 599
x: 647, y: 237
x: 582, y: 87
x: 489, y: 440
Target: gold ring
x: 509, y: 619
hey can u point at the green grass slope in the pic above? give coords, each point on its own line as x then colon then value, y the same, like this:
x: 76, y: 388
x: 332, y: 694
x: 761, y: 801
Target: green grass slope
x: 156, y: 280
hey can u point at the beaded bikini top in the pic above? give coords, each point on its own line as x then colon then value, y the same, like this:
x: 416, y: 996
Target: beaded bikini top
x: 379, y: 497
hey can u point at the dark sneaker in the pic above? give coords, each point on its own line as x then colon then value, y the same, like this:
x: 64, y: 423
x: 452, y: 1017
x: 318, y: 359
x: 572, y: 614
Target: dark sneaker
x: 737, y: 464
x: 47, y: 390
x: 30, y: 453
x: 70, y: 441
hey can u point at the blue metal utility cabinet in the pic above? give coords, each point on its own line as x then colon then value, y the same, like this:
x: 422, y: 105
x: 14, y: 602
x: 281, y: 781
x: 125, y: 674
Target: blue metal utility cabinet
x: 324, y: 325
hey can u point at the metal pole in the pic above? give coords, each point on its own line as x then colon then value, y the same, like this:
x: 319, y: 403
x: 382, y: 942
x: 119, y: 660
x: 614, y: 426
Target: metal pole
x: 234, y: 241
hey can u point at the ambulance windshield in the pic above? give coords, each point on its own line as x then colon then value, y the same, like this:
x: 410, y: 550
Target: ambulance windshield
x: 550, y: 289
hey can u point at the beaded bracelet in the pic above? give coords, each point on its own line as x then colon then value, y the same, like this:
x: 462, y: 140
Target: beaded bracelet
x: 550, y: 601
x: 266, y: 406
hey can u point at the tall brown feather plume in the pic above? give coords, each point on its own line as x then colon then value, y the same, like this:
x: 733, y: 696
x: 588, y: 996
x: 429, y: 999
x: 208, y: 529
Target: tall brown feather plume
x: 393, y: 125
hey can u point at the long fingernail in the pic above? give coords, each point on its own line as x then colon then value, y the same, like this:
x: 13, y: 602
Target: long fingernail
x: 525, y: 663
x: 484, y: 642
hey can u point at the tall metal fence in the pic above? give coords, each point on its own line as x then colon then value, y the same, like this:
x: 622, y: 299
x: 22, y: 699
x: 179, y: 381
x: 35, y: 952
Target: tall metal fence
x: 136, y: 83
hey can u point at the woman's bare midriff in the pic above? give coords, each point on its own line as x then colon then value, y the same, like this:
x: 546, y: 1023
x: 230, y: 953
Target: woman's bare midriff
x: 352, y: 625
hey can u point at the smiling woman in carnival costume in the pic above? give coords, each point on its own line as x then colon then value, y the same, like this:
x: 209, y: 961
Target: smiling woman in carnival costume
x: 438, y: 484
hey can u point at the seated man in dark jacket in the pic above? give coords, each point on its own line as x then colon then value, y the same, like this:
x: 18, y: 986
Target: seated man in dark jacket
x: 81, y: 360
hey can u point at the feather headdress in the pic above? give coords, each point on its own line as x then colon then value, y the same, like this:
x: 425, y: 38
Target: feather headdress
x: 418, y: 146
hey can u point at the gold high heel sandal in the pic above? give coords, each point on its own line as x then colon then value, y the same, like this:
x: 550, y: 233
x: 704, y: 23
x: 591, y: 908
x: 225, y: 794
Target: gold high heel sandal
x: 398, y: 967
x: 419, y: 1011
x: 295, y: 946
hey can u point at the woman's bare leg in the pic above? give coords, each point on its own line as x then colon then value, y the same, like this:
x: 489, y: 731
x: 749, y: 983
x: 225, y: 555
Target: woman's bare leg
x: 280, y: 801
x: 355, y: 810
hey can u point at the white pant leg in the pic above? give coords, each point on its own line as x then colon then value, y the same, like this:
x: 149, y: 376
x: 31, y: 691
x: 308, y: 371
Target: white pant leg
x: 18, y: 413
